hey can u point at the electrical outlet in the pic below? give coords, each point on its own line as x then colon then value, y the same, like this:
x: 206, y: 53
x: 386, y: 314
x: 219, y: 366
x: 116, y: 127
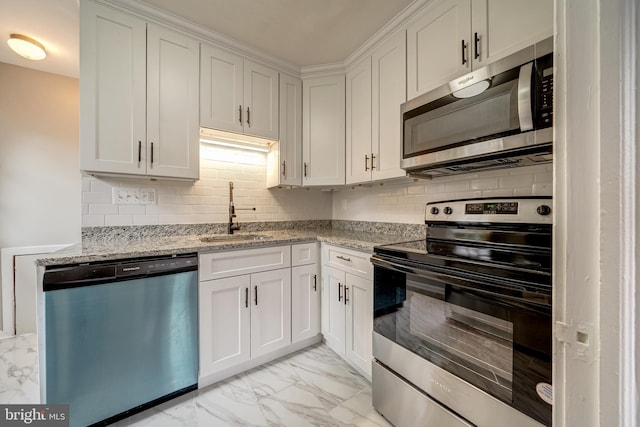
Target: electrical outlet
x: 133, y: 196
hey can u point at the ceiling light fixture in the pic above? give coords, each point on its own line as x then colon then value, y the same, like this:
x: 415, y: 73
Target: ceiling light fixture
x: 26, y: 47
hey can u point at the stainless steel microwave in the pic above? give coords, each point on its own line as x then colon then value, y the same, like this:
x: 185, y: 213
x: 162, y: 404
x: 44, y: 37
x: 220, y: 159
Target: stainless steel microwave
x: 498, y: 116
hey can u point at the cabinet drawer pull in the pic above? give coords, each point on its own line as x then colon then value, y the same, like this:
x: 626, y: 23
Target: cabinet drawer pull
x: 139, y: 151
x: 305, y: 169
x: 246, y: 297
x: 476, y: 46
x: 344, y: 258
x: 284, y: 168
x: 464, y: 48
x: 152, y: 153
x: 366, y: 163
x: 248, y: 117
x: 339, y: 292
x: 315, y: 283
x: 346, y: 295
x: 255, y: 289
x: 373, y: 161
x: 240, y: 113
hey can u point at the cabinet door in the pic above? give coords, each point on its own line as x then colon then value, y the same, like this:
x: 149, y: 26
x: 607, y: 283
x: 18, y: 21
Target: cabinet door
x: 172, y: 104
x: 359, y: 322
x: 260, y: 100
x: 224, y: 311
x: 323, y: 127
x: 221, y: 89
x: 270, y: 311
x: 434, y: 46
x: 290, y: 163
x: 358, y: 123
x: 506, y: 26
x: 389, y: 83
x: 334, y: 324
x: 305, y: 302
x: 112, y: 91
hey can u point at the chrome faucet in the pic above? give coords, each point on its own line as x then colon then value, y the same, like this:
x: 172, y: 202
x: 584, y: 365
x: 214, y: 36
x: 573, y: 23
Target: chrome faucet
x: 231, y: 227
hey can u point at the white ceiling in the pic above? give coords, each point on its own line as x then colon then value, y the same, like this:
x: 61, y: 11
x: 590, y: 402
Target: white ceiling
x: 301, y: 32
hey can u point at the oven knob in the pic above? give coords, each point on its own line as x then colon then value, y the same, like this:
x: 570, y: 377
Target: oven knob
x: 435, y: 211
x: 543, y: 210
x: 447, y: 210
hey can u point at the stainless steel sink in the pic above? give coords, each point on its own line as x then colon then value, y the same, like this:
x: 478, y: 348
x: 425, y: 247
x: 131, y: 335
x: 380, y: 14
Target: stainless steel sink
x: 231, y: 237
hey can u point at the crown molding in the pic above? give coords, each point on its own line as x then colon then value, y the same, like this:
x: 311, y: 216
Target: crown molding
x: 323, y: 70
x: 389, y: 29
x: 205, y: 35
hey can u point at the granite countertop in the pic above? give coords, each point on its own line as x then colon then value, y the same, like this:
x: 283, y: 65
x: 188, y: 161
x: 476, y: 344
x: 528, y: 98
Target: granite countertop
x: 104, y: 249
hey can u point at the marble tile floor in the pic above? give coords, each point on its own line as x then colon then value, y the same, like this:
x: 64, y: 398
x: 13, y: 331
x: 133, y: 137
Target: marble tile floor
x: 313, y: 387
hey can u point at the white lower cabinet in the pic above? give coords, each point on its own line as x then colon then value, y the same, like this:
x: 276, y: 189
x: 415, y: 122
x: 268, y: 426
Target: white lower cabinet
x: 264, y: 311
x: 347, y: 305
x: 225, y: 327
x: 305, y: 292
x: 270, y: 311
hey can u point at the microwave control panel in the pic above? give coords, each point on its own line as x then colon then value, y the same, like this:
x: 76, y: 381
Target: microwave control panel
x: 544, y: 84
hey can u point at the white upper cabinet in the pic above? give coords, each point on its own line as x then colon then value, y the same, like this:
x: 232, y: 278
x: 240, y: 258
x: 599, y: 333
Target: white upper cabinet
x: 506, y: 26
x: 453, y: 37
x: 434, y: 45
x: 237, y: 95
x: 359, y: 156
x: 389, y: 79
x: 139, y: 91
x: 376, y: 88
x: 284, y: 162
x: 323, y: 127
x: 172, y: 104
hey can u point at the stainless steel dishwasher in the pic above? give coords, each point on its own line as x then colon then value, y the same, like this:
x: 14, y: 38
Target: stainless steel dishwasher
x: 119, y: 337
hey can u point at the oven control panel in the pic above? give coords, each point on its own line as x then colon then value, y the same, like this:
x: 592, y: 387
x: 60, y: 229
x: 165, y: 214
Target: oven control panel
x: 534, y: 210
x: 509, y: 208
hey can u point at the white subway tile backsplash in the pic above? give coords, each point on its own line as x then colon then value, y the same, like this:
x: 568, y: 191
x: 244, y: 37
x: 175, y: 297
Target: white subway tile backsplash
x: 206, y: 200
x: 203, y: 201
x: 516, y: 181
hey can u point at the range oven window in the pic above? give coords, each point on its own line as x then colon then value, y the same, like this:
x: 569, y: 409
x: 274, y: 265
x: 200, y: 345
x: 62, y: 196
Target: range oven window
x: 461, y: 325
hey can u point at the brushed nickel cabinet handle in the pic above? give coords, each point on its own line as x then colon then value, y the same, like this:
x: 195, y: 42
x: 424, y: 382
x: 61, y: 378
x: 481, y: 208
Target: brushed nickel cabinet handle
x: 255, y: 289
x: 373, y: 161
x: 240, y: 113
x: 315, y: 283
x: 346, y: 295
x: 248, y: 117
x: 344, y: 258
x: 366, y: 163
x: 339, y: 292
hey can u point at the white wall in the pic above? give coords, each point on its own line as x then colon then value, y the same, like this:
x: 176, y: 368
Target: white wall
x: 40, y: 182
x: 206, y: 200
x: 596, y: 223
x: 405, y: 202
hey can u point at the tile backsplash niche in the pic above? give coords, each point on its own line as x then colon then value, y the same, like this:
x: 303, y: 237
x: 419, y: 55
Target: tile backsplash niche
x: 109, y: 201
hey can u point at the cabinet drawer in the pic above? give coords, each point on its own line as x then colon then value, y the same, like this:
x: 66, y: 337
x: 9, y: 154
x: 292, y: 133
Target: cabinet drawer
x: 350, y: 261
x: 306, y: 253
x: 216, y: 265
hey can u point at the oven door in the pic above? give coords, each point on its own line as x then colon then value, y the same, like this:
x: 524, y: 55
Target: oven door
x: 490, y: 332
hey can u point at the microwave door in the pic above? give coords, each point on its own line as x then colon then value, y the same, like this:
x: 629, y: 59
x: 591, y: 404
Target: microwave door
x: 463, y: 120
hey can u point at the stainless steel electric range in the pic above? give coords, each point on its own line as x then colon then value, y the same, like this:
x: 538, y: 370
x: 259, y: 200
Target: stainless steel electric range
x: 462, y: 319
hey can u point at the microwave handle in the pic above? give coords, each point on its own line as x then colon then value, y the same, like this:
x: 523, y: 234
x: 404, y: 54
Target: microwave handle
x: 525, y: 103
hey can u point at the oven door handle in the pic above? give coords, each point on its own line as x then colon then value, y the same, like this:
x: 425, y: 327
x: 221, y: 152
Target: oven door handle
x: 439, y: 274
